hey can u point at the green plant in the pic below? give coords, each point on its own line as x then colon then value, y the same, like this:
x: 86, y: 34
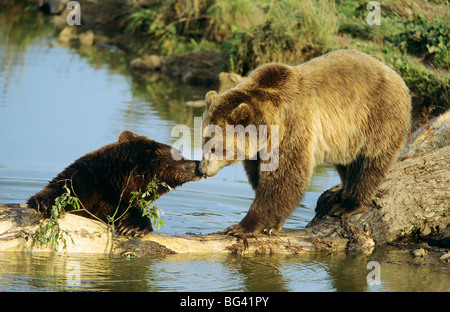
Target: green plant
x: 226, y: 15
x: 290, y: 32
x: 428, y: 87
x: 423, y: 37
x: 168, y: 26
x: 144, y: 200
x: 50, y: 232
x: 147, y: 23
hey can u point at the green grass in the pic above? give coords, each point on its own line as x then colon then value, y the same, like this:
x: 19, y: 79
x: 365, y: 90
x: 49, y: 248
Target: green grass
x: 413, y: 37
x: 290, y: 32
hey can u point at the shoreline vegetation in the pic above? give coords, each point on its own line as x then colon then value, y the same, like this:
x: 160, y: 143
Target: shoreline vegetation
x: 196, y: 40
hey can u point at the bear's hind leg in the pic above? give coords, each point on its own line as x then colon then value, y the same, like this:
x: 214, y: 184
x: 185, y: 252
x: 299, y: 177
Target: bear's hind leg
x: 361, y: 179
x: 331, y: 198
x: 327, y: 200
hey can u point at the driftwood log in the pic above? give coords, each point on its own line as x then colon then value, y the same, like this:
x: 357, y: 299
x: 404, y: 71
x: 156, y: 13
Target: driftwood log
x: 414, y: 201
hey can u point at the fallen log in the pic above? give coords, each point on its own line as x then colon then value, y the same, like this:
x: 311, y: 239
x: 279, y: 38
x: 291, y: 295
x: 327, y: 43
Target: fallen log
x: 18, y: 226
x: 413, y: 201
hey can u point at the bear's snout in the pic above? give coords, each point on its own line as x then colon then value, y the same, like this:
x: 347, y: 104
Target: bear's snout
x: 198, y: 172
x: 202, y: 169
x: 209, y: 168
x: 191, y: 167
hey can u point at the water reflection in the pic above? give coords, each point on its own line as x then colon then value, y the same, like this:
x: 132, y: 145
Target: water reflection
x: 31, y: 272
x: 220, y: 272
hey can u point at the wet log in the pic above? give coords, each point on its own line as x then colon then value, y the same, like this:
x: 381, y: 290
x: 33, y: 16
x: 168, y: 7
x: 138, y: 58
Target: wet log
x: 414, y: 201
x: 19, y: 224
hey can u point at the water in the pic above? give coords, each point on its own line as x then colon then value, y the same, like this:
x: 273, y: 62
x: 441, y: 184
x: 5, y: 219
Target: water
x: 59, y: 103
x: 39, y: 272
x: 223, y: 273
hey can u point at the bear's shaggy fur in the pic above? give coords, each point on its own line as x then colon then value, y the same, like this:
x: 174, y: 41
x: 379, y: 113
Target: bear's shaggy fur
x: 345, y: 108
x: 104, y: 179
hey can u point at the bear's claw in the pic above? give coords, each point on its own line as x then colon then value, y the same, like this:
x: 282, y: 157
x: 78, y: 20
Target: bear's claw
x: 239, y: 231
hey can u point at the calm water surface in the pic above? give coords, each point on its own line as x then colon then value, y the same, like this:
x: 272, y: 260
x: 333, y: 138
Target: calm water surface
x: 59, y: 103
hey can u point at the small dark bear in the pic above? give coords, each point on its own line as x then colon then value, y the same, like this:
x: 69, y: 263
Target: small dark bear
x: 104, y: 179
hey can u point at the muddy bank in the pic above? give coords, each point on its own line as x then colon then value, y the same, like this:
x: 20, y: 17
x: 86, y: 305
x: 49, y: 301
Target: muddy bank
x: 200, y: 68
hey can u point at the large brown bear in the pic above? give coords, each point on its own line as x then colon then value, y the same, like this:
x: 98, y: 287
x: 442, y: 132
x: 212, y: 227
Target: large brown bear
x: 104, y: 179
x: 344, y: 108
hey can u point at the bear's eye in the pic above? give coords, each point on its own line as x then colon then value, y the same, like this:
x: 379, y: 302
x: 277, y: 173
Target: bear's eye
x: 213, y: 149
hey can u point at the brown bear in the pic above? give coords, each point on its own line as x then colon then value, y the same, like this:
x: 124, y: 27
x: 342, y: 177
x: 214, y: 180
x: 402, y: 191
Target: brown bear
x: 104, y: 179
x: 345, y: 108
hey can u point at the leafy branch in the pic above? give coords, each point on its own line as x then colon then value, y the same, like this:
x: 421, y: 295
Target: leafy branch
x: 145, y: 200
x: 50, y: 232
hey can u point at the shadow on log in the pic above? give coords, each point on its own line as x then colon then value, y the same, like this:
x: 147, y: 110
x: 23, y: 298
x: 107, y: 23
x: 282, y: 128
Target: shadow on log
x: 413, y: 202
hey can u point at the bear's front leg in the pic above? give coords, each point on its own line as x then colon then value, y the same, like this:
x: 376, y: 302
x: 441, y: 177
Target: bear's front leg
x: 134, y: 224
x: 45, y: 199
x: 276, y: 194
x: 267, y: 213
x: 247, y: 228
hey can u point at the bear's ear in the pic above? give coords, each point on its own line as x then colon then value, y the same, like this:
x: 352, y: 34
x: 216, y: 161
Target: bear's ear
x: 242, y: 115
x: 209, y: 98
x: 126, y: 135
